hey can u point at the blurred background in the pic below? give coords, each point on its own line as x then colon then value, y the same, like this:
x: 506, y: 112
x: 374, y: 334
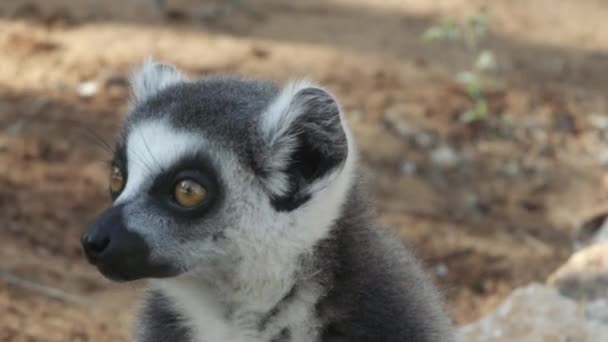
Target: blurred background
x: 483, y: 126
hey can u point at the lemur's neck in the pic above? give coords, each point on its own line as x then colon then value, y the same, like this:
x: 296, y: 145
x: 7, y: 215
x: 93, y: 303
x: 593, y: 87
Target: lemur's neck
x: 249, y: 277
x: 257, y: 296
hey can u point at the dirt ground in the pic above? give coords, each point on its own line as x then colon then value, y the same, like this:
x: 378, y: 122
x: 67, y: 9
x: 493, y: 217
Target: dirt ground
x: 487, y: 206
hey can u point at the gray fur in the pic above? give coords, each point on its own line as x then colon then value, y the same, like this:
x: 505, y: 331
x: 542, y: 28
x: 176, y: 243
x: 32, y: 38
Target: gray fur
x: 285, y: 253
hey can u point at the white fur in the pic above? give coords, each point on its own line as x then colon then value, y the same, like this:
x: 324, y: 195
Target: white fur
x: 152, y: 147
x: 152, y: 77
x: 276, y: 120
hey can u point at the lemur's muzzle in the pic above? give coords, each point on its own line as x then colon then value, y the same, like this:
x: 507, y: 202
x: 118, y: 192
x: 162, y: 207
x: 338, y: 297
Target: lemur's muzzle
x: 118, y: 253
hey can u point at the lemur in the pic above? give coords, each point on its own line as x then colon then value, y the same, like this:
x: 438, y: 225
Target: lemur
x: 242, y: 203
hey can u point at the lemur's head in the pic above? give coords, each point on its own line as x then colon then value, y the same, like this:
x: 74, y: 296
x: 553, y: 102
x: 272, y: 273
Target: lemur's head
x: 206, y: 169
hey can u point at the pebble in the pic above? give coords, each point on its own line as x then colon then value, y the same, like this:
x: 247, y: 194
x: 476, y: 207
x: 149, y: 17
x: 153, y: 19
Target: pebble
x: 511, y: 168
x: 87, y: 89
x: 408, y: 168
x: 441, y: 270
x: 444, y: 156
x: 599, y: 121
x: 424, y: 139
x: 603, y: 158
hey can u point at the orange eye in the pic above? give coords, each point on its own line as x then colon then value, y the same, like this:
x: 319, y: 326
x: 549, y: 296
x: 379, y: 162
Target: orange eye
x: 189, y: 193
x: 116, y: 180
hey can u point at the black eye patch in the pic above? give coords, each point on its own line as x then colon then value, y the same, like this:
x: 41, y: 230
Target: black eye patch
x: 196, y: 167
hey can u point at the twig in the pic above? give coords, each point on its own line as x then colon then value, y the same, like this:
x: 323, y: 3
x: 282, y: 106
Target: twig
x: 46, y: 290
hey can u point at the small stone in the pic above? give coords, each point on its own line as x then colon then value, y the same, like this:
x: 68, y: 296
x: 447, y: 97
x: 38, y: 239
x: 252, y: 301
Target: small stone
x: 408, y: 168
x: 441, y: 270
x: 603, y: 158
x: 87, y: 89
x: 424, y: 139
x: 511, y: 168
x: 598, y: 121
x: 444, y: 156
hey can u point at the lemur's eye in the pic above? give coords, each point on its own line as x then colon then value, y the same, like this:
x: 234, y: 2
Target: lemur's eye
x: 117, y: 181
x: 189, y: 193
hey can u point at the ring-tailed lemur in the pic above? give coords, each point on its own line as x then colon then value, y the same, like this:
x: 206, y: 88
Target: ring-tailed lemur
x: 241, y: 202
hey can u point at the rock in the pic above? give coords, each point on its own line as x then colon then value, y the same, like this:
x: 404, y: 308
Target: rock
x: 603, y: 157
x: 510, y: 168
x: 474, y: 204
x: 441, y: 270
x: 87, y: 89
x: 539, y: 313
x: 408, y: 168
x: 424, y: 139
x: 444, y: 156
x: 599, y: 121
x: 597, y: 311
x: 585, y: 274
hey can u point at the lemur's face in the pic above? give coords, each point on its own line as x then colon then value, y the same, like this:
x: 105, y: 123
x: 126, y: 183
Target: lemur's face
x: 206, y: 169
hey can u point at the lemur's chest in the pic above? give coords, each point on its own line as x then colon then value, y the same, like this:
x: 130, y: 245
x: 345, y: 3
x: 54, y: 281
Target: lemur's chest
x: 291, y: 318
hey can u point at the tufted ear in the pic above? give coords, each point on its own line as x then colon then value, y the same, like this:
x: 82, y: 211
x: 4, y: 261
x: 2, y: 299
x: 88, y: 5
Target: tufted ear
x: 305, y: 143
x: 151, y: 77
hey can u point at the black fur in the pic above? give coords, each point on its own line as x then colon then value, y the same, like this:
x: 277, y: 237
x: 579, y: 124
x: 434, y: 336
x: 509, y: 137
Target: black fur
x: 377, y: 290
x: 159, y: 322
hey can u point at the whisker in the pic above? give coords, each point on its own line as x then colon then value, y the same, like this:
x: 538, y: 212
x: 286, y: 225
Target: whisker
x: 103, y: 162
x: 154, y: 160
x: 140, y: 158
x: 96, y: 139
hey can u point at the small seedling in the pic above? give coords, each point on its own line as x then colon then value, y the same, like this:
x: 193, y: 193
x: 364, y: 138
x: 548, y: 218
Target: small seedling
x: 478, y: 78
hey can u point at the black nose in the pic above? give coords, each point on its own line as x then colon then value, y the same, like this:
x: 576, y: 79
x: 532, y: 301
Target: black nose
x: 94, y: 245
x: 104, y: 233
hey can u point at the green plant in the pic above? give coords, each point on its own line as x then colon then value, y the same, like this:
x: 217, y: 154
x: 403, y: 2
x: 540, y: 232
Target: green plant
x: 480, y: 76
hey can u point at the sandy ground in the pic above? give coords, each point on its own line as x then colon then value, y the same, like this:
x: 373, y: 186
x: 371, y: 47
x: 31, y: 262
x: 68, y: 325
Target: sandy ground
x: 499, y: 212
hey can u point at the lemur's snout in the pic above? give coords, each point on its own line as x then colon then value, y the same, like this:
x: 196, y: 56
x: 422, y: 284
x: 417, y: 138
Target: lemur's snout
x: 118, y: 253
x: 94, y: 245
x: 98, y: 241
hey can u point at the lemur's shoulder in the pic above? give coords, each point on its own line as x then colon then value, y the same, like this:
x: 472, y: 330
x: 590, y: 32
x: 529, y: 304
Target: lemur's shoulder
x: 378, y: 290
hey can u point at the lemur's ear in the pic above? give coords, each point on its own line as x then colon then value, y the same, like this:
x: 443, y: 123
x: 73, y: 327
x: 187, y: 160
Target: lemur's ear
x: 151, y: 77
x: 305, y: 142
